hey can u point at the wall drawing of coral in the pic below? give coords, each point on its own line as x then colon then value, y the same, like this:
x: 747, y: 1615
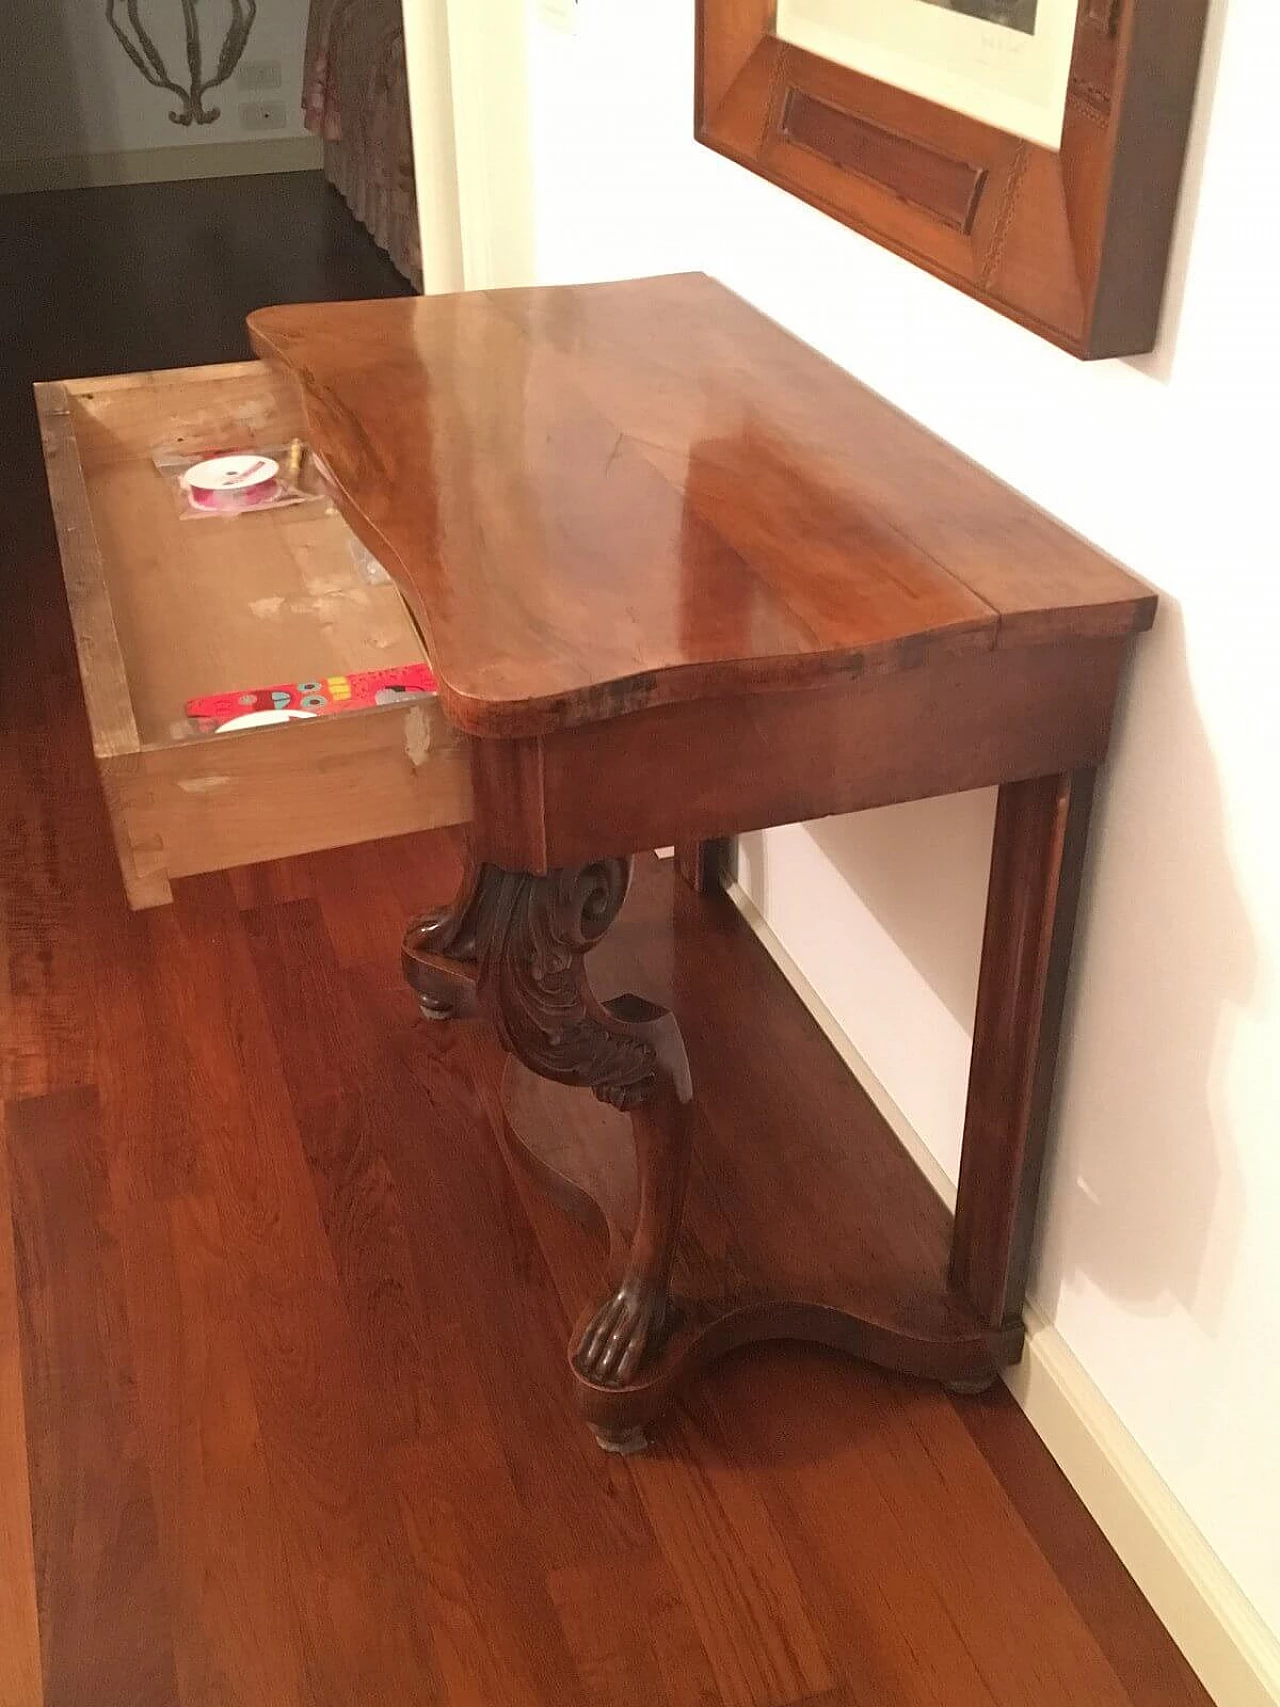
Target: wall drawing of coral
x: 140, y: 45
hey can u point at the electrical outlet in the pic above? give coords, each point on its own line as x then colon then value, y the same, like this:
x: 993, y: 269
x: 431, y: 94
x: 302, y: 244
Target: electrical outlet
x: 262, y: 115
x: 259, y: 74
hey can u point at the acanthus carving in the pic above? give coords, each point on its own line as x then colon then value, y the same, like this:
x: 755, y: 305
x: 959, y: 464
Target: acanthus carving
x: 460, y: 929
x: 534, y: 988
x: 513, y: 943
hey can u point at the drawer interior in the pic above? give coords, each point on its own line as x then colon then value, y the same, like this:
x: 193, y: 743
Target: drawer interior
x: 217, y: 603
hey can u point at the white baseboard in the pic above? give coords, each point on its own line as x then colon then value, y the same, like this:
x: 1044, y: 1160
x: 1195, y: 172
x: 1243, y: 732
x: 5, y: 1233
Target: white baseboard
x: 1225, y: 1640
x: 163, y: 165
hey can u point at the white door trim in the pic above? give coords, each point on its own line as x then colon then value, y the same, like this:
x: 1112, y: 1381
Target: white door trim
x: 426, y: 52
x: 469, y: 98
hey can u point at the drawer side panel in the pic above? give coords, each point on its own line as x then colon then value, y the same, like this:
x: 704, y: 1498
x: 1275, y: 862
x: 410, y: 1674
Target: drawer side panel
x: 102, y: 668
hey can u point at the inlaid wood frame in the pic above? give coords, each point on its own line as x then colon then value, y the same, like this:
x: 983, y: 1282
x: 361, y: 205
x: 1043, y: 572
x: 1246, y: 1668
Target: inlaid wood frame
x: 1072, y: 244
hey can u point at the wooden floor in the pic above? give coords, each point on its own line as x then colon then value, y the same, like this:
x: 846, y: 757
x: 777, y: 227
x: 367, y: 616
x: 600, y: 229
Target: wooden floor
x: 283, y: 1410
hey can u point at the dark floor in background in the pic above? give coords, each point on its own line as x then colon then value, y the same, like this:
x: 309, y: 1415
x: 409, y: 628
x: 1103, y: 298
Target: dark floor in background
x: 283, y: 1411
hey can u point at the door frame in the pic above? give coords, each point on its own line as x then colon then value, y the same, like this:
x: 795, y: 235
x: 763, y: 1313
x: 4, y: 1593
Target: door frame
x: 468, y: 70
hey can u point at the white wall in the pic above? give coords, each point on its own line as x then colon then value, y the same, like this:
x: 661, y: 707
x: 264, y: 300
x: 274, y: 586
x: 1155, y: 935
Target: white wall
x: 68, y: 88
x: 1160, y: 1255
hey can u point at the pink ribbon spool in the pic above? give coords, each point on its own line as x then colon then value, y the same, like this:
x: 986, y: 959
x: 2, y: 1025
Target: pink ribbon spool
x: 225, y: 485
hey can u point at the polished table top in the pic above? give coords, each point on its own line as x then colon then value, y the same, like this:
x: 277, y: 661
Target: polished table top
x: 598, y: 498
x: 682, y: 578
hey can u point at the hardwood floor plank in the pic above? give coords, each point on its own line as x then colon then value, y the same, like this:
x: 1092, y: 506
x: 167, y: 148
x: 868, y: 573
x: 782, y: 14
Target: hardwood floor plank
x: 362, y: 912
x: 338, y: 1115
x: 632, y: 1635
x: 364, y: 1634
x: 140, y: 276
x: 493, y: 1619
x: 909, y: 1547
x: 235, y: 1625
x: 1023, y: 1632
x: 100, y: 1584
x: 46, y: 1027
x: 734, y: 1572
x: 578, y: 1503
x: 278, y: 880
x: 485, y: 1594
x: 20, y: 1683
x: 148, y: 1121
x: 59, y: 880
x: 891, y: 1636
x: 421, y: 872
x: 1109, y: 1602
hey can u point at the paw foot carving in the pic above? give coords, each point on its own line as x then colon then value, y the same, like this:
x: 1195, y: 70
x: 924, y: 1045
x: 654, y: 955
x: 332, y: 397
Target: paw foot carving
x: 620, y: 1335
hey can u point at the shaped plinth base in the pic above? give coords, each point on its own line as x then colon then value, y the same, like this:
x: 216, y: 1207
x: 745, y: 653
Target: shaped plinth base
x: 842, y: 1244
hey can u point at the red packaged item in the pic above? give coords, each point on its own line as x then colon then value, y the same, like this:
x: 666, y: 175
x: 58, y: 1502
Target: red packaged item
x: 328, y: 693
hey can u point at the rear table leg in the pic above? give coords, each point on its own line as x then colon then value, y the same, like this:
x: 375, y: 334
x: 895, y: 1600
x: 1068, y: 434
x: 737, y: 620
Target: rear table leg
x: 700, y: 864
x: 1036, y: 862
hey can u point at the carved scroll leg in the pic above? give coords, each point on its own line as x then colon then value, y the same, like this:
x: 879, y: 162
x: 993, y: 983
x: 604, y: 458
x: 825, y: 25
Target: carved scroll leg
x: 443, y: 992
x: 441, y: 950
x: 533, y: 985
x: 630, y: 1323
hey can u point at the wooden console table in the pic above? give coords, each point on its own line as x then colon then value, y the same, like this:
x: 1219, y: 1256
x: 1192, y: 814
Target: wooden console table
x: 679, y: 577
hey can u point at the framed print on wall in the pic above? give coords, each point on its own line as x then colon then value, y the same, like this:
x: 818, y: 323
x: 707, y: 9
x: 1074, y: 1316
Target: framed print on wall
x: 1027, y: 151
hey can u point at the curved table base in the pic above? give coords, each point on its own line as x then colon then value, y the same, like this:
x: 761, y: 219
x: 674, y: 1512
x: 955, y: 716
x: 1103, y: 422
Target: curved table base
x: 741, y: 1275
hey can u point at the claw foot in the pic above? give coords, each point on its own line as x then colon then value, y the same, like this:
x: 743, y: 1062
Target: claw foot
x: 623, y: 1441
x: 620, y: 1334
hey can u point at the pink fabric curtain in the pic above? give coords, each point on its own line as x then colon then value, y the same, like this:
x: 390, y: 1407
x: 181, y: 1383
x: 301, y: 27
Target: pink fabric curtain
x: 356, y: 96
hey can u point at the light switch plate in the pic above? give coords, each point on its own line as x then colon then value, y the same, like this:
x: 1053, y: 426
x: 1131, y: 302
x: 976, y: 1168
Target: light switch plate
x: 259, y: 74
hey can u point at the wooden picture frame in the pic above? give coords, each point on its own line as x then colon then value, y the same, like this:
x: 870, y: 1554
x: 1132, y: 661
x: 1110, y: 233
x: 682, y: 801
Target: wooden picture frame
x: 1072, y: 244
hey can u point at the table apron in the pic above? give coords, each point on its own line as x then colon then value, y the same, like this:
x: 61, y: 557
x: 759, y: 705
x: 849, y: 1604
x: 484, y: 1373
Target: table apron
x: 718, y: 767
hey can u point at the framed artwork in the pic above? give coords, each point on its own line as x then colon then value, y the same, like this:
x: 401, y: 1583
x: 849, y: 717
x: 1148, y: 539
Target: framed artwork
x: 140, y: 44
x: 1027, y: 151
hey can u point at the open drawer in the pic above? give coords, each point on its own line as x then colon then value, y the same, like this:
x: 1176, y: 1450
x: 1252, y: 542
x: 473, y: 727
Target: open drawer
x: 165, y: 609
